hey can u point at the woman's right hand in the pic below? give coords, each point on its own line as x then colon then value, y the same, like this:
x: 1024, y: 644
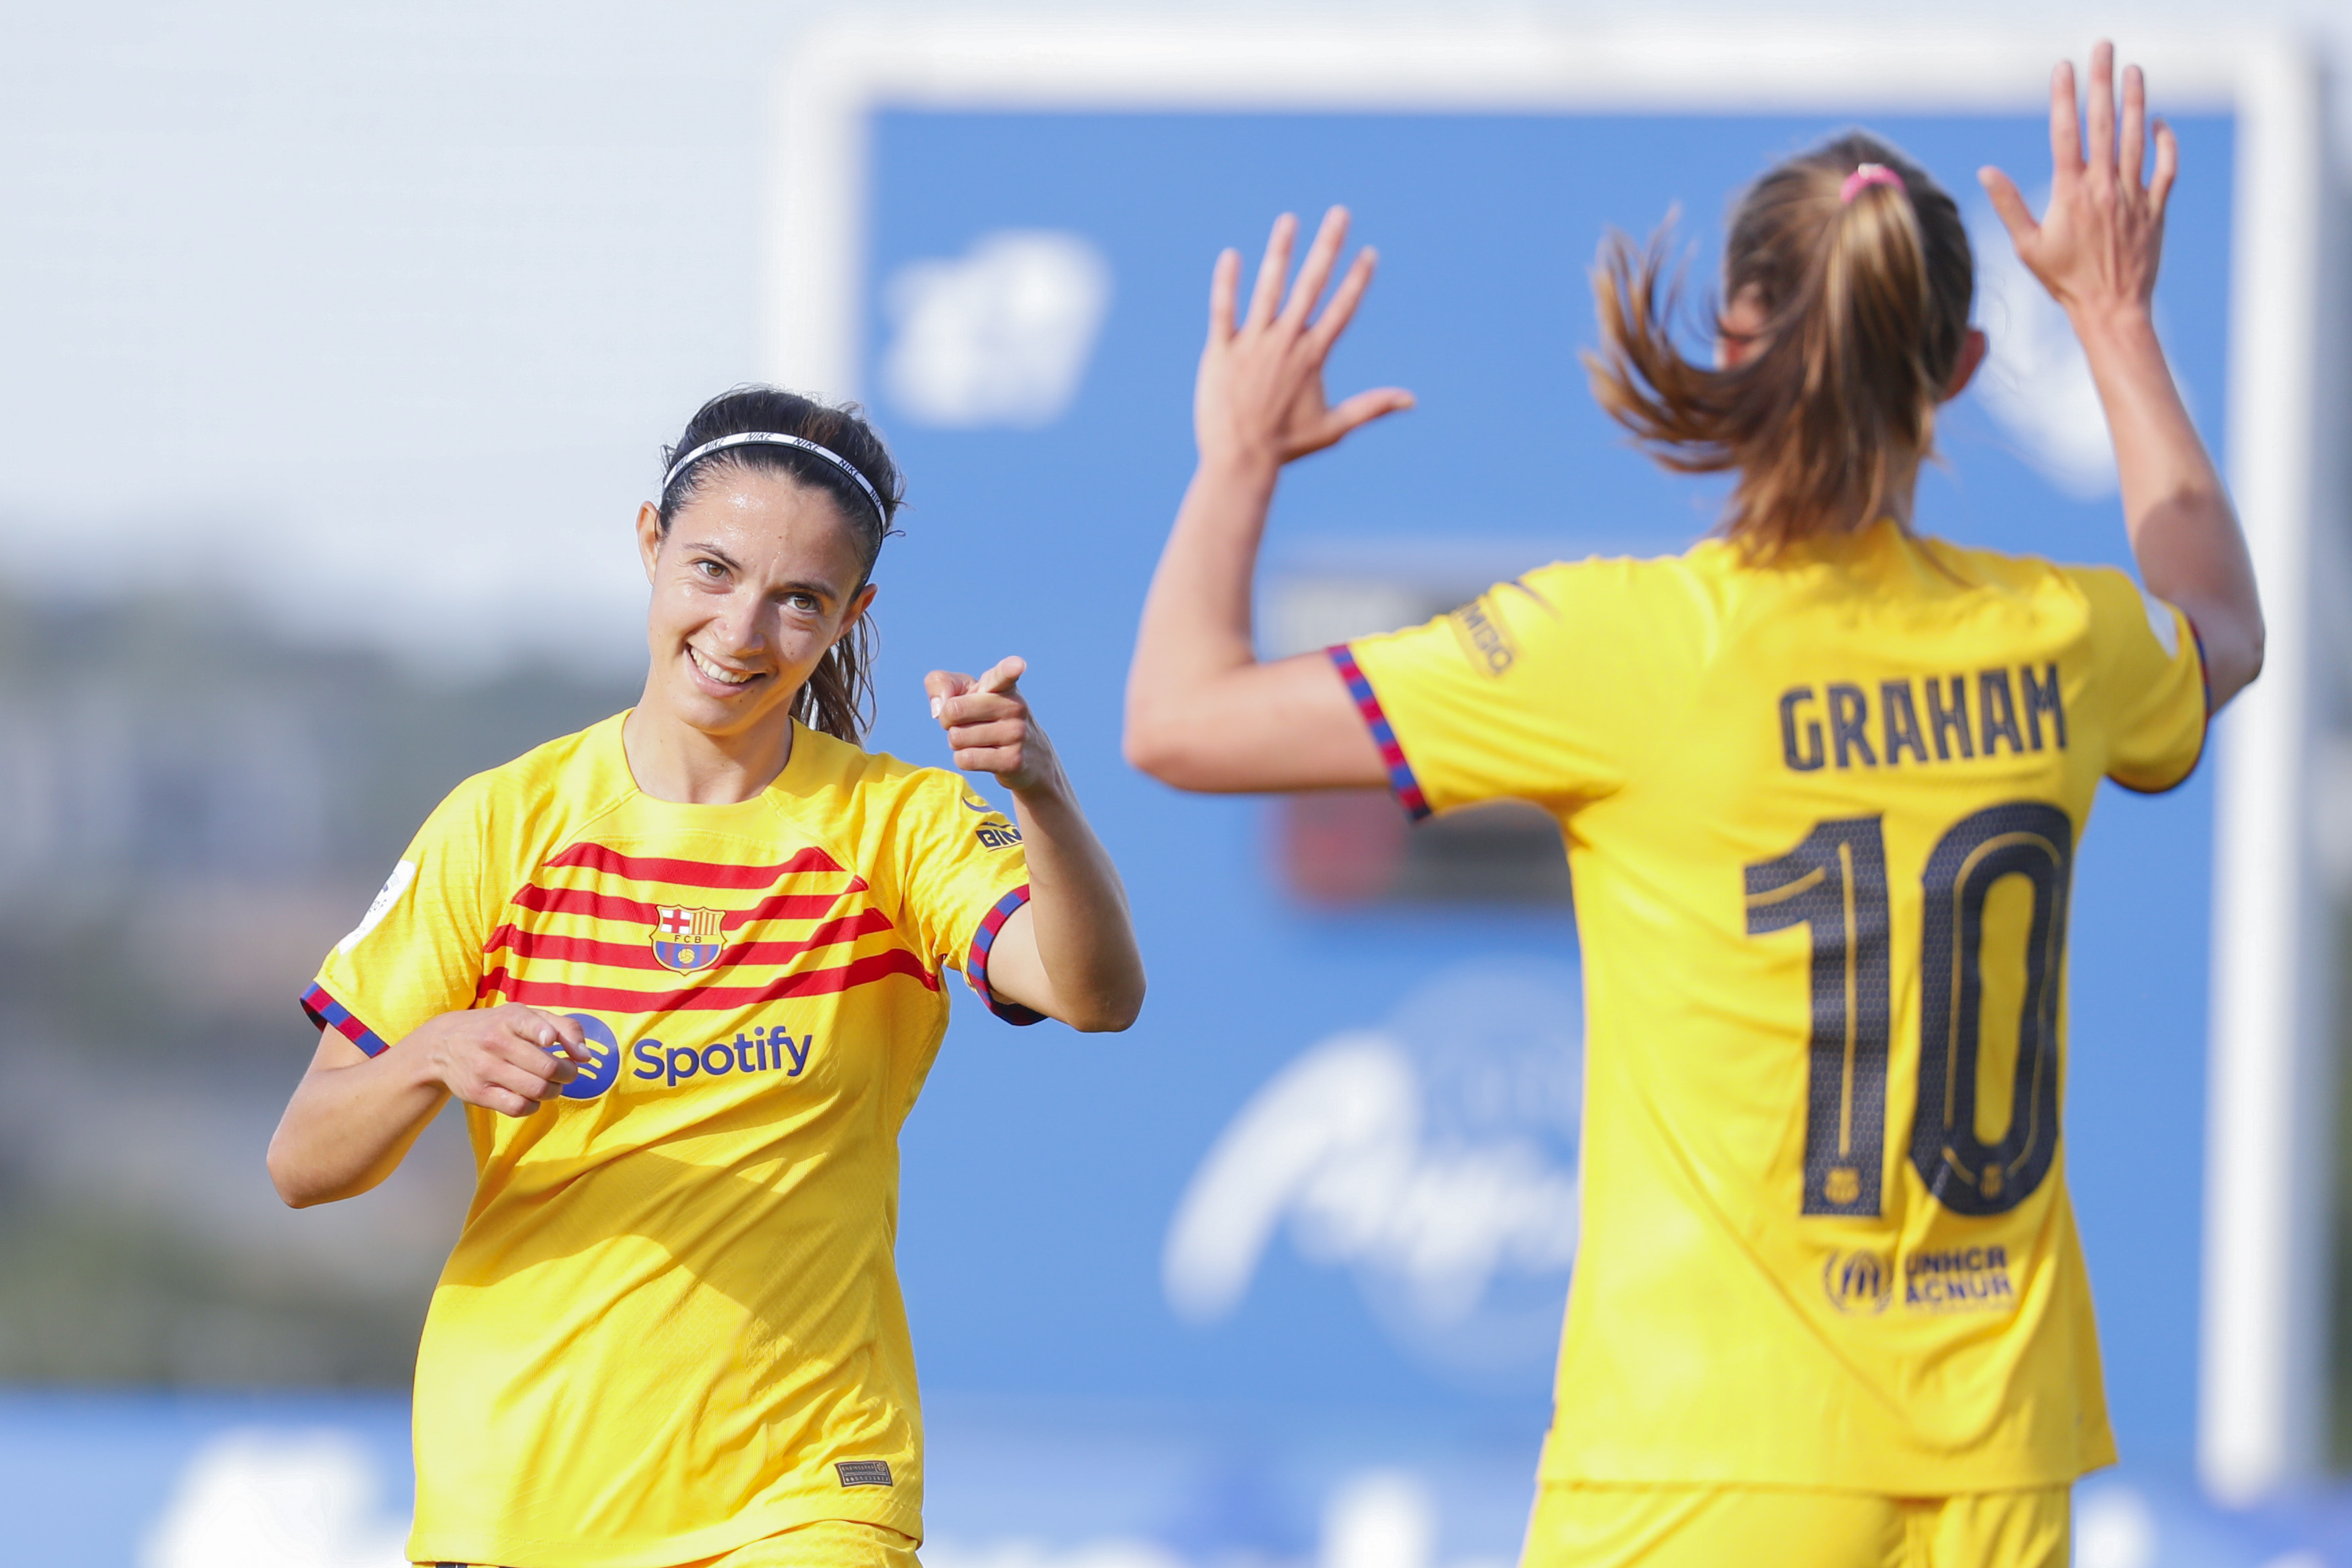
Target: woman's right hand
x: 510, y: 1059
x: 2097, y: 246
x: 1259, y: 399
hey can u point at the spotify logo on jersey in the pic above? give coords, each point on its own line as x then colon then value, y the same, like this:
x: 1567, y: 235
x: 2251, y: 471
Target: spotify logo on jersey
x: 604, y: 1060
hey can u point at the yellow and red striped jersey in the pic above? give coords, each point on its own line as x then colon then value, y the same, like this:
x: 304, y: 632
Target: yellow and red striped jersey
x: 672, y: 1323
x: 1822, y: 818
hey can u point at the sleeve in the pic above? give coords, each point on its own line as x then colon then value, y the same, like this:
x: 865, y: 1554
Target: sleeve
x: 963, y: 873
x: 2148, y: 674
x: 417, y: 952
x: 1533, y: 690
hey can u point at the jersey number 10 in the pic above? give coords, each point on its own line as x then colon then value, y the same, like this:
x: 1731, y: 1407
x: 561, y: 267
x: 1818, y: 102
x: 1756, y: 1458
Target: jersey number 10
x: 1835, y: 882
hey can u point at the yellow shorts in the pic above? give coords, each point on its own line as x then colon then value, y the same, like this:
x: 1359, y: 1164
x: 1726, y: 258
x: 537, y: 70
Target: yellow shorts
x: 826, y: 1543
x: 1580, y: 1526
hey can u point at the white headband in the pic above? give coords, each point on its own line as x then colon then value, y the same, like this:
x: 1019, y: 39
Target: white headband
x: 772, y: 438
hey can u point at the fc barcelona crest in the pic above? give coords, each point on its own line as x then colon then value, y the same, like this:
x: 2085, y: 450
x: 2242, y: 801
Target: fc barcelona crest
x: 687, y: 940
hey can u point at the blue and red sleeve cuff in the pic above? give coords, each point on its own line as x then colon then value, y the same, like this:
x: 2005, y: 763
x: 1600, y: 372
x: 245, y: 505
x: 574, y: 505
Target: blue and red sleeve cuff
x: 1401, y: 784
x: 975, y: 969
x: 329, y: 1014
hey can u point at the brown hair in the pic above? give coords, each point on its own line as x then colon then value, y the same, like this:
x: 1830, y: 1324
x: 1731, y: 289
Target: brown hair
x: 838, y: 696
x: 1865, y: 312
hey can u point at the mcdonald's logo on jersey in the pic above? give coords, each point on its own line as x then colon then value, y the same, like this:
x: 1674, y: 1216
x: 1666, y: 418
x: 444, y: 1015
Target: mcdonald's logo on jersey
x: 1860, y: 1281
x: 687, y: 940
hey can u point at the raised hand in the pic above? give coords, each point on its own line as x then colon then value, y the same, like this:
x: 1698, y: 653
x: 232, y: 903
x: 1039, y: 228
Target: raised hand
x: 989, y: 723
x: 2097, y: 247
x: 1260, y: 392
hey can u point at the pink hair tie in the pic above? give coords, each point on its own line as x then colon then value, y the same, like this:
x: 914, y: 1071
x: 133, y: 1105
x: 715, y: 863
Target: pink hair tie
x: 1866, y: 175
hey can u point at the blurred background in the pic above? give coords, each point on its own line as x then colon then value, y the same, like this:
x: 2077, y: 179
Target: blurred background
x: 338, y: 345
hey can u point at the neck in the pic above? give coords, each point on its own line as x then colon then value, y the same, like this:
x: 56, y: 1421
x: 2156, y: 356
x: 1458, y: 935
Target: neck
x: 673, y: 761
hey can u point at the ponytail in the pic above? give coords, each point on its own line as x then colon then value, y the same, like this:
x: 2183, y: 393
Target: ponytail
x: 838, y: 696
x: 1859, y: 266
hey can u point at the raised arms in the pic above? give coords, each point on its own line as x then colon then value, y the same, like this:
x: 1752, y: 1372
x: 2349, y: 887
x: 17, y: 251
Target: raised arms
x: 1201, y: 712
x: 2096, y: 250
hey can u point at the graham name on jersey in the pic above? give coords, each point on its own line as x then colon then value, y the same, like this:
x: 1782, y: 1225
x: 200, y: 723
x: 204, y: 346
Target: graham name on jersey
x: 1941, y: 718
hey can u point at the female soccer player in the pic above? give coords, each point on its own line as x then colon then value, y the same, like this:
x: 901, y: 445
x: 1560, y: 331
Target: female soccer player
x: 684, y: 968
x: 1822, y: 780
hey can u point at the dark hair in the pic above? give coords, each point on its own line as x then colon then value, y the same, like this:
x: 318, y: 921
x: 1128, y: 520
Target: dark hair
x: 1828, y: 417
x: 838, y: 698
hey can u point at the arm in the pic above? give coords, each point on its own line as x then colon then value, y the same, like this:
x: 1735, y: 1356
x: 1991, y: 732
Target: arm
x: 1070, y: 951
x: 354, y: 1116
x: 2096, y: 251
x: 1201, y: 712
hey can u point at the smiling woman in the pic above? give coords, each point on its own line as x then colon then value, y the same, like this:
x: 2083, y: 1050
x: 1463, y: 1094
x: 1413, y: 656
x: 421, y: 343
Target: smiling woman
x: 685, y: 969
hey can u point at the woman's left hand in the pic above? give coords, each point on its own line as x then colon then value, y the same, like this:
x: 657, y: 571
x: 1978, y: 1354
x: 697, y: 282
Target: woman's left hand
x: 1259, y: 395
x: 989, y: 723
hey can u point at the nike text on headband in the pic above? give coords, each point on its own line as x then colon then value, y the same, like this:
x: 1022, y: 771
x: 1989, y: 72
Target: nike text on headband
x: 774, y: 438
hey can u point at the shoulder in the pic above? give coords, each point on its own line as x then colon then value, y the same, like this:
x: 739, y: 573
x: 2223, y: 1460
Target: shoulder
x: 1612, y: 587
x: 1634, y: 602
x: 872, y: 788
x: 571, y: 778
x: 2002, y: 571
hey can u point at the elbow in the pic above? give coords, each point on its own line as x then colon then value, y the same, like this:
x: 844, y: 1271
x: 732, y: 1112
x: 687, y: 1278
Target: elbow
x: 296, y: 1188
x: 291, y: 1192
x: 2231, y: 668
x: 1164, y: 752
x: 1148, y: 747
x: 1111, y: 1014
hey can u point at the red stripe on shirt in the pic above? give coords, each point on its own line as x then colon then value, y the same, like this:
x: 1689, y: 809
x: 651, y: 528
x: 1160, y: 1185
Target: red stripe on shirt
x: 705, y: 998
x: 690, y: 873
x: 610, y: 907
x: 793, y: 906
x: 640, y: 954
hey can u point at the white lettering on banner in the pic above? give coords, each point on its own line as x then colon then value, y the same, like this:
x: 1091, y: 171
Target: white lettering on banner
x: 1435, y: 1158
x: 999, y: 336
x: 256, y: 1498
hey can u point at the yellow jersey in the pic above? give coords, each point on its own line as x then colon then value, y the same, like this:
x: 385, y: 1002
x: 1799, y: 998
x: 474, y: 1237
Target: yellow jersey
x: 1821, y: 818
x: 671, y: 1324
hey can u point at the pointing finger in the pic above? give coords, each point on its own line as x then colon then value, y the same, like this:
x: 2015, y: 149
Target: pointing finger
x: 1006, y: 673
x: 942, y: 684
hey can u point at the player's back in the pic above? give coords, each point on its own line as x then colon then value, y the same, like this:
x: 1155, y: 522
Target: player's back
x: 1822, y: 816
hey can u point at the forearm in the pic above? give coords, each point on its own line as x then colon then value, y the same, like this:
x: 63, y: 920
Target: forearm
x: 2184, y: 532
x: 348, y: 1127
x: 1084, y: 934
x: 1197, y: 625
x: 1203, y: 712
